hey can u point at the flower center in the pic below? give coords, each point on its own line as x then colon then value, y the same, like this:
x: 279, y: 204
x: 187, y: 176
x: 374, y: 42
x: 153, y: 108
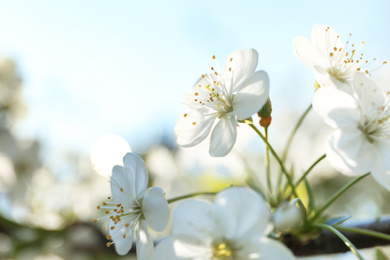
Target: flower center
x: 223, y: 251
x: 345, y: 60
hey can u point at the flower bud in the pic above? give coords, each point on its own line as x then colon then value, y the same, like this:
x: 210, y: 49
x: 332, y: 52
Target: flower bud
x: 265, y: 121
x: 287, y: 216
x: 266, y: 110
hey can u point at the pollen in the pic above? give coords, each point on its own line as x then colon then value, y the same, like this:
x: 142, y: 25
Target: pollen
x: 127, y: 225
x: 121, y: 189
x: 124, y: 235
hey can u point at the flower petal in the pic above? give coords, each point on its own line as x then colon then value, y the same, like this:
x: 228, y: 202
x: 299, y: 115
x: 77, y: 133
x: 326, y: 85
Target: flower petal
x: 240, y: 65
x: 265, y: 248
x: 325, y: 39
x: 144, y: 242
x: 199, y: 93
x: 122, y: 237
x: 194, y: 218
x: 327, y: 80
x: 251, y: 96
x: 137, y: 173
x: 223, y: 136
x: 381, y: 171
x: 181, y: 247
x: 193, y: 128
x: 369, y: 95
x: 241, y: 213
x: 307, y: 53
x: 121, y: 184
x: 155, y: 208
x: 349, y: 152
x: 337, y: 108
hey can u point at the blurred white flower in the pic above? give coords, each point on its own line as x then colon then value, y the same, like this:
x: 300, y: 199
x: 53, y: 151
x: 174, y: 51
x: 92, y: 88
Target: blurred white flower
x: 133, y: 207
x: 235, y: 94
x: 234, y: 227
x: 287, y: 216
x: 361, y: 140
x: 333, y: 62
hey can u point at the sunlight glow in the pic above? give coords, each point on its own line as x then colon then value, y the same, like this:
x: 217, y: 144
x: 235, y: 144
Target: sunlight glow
x: 107, y: 152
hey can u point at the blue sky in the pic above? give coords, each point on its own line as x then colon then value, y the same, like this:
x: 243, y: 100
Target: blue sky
x: 122, y: 67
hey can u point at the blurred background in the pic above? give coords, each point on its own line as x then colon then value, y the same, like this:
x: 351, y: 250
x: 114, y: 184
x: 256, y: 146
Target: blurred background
x: 84, y: 82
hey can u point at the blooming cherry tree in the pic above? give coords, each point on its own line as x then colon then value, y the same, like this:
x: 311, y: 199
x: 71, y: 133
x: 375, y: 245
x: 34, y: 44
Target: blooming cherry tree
x: 232, y: 95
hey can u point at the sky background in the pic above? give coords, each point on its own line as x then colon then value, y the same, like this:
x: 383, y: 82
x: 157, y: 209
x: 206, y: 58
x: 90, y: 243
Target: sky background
x: 92, y: 68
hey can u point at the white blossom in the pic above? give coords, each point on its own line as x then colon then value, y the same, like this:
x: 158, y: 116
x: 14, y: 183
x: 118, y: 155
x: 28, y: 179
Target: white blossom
x: 133, y: 207
x: 235, y: 226
x: 361, y: 140
x: 333, y: 62
x: 234, y: 94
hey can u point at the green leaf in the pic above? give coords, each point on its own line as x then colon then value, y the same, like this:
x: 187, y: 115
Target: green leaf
x: 337, y: 221
x: 379, y: 255
x: 311, y: 205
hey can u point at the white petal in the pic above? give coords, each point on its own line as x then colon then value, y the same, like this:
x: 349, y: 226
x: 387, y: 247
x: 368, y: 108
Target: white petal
x: 337, y: 108
x: 264, y: 249
x: 326, y: 80
x: 190, y: 134
x: 182, y: 247
x: 194, y: 218
x: 122, y: 237
x: 350, y: 152
x: 381, y: 171
x: 307, y: 53
x: 137, y: 173
x: 243, y: 64
x: 121, y: 179
x: 223, y: 136
x: 155, y: 208
x: 165, y: 251
x: 325, y: 39
x: 144, y: 242
x: 199, y: 93
x: 251, y: 96
x: 241, y: 213
x: 368, y: 94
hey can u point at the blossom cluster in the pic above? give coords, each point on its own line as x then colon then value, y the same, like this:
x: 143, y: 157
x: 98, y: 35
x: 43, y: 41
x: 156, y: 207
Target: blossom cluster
x: 242, y: 222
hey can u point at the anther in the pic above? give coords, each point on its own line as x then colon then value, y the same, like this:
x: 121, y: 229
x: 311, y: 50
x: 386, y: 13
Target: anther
x: 213, y: 57
x: 124, y: 235
x: 107, y: 212
x: 98, y: 207
x: 95, y: 220
x: 196, y: 93
x: 193, y: 123
x: 108, y: 244
x: 185, y: 115
x: 121, y: 189
x: 112, y: 227
x: 108, y: 236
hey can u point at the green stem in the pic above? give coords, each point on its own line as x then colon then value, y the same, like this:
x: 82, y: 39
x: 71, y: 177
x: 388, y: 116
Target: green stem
x: 287, y: 148
x: 267, y: 163
x: 309, y: 170
x: 336, y: 195
x: 289, y: 180
x: 342, y: 237
x: 366, y: 232
x: 291, y: 137
x: 190, y: 195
